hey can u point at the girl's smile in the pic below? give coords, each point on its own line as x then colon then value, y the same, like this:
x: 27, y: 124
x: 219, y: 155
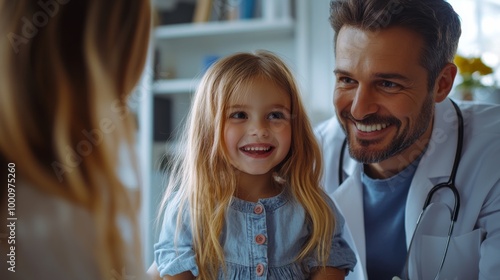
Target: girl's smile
x: 258, y: 150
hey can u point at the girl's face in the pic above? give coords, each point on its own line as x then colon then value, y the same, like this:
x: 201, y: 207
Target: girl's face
x: 258, y: 130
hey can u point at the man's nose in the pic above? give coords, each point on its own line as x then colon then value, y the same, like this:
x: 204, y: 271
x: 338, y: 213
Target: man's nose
x: 363, y: 103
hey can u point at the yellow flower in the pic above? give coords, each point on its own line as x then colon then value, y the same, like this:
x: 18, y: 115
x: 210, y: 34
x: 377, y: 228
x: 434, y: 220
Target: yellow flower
x: 472, y: 65
x: 462, y: 64
x: 471, y: 69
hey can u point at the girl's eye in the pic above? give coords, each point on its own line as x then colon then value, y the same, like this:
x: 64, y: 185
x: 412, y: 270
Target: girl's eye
x: 276, y: 115
x: 238, y: 115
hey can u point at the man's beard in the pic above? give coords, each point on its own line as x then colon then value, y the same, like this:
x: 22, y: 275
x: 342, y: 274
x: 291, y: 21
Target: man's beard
x: 402, y: 141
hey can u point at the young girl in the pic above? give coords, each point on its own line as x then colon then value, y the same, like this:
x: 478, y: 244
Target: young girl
x: 244, y: 200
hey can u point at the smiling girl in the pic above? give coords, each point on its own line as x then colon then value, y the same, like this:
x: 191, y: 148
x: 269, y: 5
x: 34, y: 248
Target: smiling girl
x: 244, y: 199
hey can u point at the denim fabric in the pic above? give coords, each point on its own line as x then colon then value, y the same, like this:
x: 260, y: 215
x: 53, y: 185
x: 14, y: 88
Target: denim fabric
x: 257, y: 244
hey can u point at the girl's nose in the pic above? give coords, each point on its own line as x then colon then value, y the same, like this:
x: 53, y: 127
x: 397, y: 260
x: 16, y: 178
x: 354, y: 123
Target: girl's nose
x: 259, y: 129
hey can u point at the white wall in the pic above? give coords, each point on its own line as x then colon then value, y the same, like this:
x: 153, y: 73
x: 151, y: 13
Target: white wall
x: 321, y: 65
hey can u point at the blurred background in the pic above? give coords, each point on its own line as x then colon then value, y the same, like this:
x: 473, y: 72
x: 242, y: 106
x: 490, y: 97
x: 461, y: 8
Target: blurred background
x: 192, y: 34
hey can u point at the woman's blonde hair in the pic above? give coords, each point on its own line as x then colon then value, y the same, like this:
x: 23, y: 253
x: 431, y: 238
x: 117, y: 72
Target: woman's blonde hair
x: 204, y: 178
x: 67, y: 69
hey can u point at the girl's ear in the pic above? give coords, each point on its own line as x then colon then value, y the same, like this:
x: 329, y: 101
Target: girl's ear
x: 444, y: 82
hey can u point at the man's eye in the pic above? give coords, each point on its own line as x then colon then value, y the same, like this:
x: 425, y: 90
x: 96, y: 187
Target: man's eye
x: 346, y: 80
x: 388, y: 84
x: 390, y: 87
x: 276, y: 115
x: 238, y: 115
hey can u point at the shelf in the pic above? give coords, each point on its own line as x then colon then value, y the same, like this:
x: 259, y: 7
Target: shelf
x: 175, y: 86
x: 256, y: 27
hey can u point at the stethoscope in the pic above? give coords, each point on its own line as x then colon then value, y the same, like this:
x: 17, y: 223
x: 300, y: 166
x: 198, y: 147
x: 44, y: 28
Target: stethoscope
x: 450, y: 185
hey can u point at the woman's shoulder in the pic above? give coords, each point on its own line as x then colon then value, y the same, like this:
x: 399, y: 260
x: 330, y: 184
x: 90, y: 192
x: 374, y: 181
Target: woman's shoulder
x: 53, y: 236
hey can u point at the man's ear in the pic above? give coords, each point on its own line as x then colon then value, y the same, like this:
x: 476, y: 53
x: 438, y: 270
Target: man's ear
x: 444, y: 82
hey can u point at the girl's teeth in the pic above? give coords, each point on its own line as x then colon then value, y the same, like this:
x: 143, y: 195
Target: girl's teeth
x: 256, y: 149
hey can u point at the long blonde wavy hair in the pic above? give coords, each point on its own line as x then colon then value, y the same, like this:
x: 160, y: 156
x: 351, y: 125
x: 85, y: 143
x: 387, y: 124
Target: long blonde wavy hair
x: 67, y: 68
x: 204, y: 179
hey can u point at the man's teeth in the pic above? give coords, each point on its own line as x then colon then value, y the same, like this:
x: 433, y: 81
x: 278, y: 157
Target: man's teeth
x: 370, y: 128
x: 260, y: 149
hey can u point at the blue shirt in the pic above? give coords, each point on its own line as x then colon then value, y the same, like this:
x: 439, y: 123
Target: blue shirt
x: 260, y: 240
x: 384, y: 202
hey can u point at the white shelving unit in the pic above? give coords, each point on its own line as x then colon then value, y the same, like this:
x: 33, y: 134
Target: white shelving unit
x: 174, y: 86
x: 254, y: 27
x: 182, y: 51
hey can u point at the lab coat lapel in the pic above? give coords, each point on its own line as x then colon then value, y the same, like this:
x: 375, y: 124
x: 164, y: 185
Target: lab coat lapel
x: 435, y: 165
x: 349, y: 165
x: 349, y: 199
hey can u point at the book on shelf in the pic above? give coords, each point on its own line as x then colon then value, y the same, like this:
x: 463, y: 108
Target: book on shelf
x: 202, y: 11
x: 174, y: 12
x: 241, y: 9
x: 226, y: 10
x: 199, y: 11
x: 276, y: 9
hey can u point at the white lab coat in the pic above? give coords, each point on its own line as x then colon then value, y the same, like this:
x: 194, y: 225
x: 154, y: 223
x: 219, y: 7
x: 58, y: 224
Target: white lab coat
x: 475, y: 246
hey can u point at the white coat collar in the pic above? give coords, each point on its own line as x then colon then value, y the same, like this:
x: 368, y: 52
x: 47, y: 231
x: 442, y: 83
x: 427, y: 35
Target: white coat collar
x: 443, y: 143
x: 436, y: 164
x: 349, y: 165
